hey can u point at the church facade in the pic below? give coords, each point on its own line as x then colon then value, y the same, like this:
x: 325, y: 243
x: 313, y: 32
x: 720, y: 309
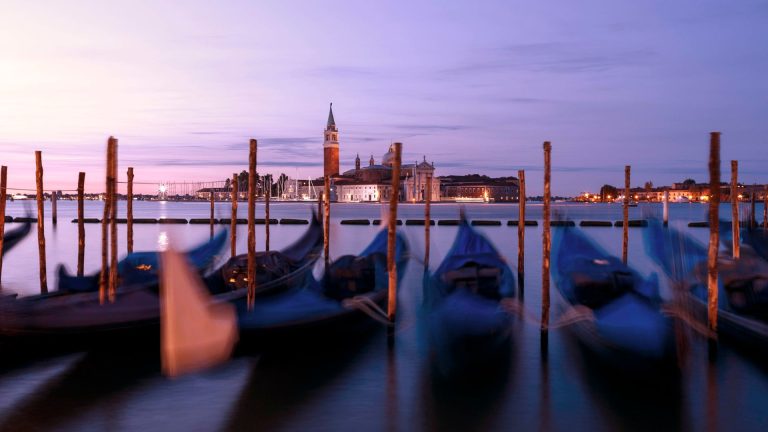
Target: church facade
x: 373, y: 183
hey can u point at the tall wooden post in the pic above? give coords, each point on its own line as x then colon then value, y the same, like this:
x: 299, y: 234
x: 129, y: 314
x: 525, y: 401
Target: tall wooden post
x: 3, y: 188
x: 714, y: 231
x: 546, y: 238
x: 104, y: 275
x: 251, y: 226
x: 735, y: 208
x: 666, y: 207
x: 392, y: 235
x: 54, y: 212
x: 267, y: 198
x: 752, y: 216
x: 521, y: 233
x: 129, y: 210
x: 233, y: 221
x: 40, y: 221
x: 765, y: 208
x: 212, y: 209
x: 326, y: 220
x: 80, y: 223
x: 113, y: 224
x: 427, y: 221
x: 625, y: 231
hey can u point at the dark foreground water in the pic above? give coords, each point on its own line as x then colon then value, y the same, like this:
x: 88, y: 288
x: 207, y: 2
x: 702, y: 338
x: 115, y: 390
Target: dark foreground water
x: 368, y: 385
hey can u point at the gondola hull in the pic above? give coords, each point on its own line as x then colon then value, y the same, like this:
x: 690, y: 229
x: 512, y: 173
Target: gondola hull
x: 327, y: 331
x: 79, y: 320
x: 468, y: 329
x: 616, y: 314
x: 469, y: 336
x: 751, y: 335
x: 610, y: 346
x: 310, y: 315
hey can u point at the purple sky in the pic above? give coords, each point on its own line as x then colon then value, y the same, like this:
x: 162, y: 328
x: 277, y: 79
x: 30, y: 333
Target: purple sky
x: 474, y: 86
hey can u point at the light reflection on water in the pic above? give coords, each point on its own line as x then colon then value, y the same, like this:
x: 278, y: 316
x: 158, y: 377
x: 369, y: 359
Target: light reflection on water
x: 368, y: 385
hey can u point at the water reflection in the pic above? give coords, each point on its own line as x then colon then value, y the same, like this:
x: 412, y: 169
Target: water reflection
x: 365, y: 385
x: 280, y: 381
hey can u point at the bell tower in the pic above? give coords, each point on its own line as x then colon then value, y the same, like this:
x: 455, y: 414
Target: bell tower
x: 331, y: 147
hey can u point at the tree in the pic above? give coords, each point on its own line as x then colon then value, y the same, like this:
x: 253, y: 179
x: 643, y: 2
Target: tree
x: 242, y: 181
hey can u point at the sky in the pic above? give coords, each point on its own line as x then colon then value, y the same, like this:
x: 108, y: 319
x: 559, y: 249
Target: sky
x: 476, y: 87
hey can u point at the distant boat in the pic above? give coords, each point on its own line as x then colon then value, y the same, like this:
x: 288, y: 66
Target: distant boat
x: 19, y: 196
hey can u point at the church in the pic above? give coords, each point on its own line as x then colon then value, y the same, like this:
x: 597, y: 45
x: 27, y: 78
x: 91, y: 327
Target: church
x: 373, y: 183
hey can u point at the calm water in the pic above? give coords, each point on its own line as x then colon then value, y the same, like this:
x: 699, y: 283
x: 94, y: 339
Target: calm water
x: 369, y: 386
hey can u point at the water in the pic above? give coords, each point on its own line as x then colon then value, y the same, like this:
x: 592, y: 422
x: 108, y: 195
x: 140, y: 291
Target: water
x: 370, y: 386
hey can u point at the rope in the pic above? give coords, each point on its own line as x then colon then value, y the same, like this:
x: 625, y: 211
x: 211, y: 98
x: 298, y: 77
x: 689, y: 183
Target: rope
x: 683, y: 315
x: 369, y: 307
x: 514, y: 306
x: 571, y: 316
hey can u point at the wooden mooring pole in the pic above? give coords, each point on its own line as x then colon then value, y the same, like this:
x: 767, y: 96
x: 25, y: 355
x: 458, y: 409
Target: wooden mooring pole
x: 427, y: 222
x: 666, y: 207
x: 80, y: 223
x: 546, y: 238
x: 103, y: 276
x: 113, y: 224
x: 326, y: 220
x: 233, y: 221
x: 251, y: 226
x: 267, y: 198
x: 625, y: 230
x: 213, y: 210
x: 3, y: 189
x: 392, y: 234
x: 54, y: 212
x: 714, y: 232
x: 752, y: 216
x: 521, y: 234
x: 40, y: 221
x: 129, y: 210
x: 765, y: 208
x: 735, y: 209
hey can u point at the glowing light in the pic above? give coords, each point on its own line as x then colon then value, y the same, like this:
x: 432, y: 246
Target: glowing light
x: 162, y: 188
x: 162, y: 241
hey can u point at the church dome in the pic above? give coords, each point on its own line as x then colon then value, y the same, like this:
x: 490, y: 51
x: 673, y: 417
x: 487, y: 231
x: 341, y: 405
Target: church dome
x: 389, y: 157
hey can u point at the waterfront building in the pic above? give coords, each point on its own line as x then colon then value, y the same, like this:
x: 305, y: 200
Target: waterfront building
x: 373, y: 183
x: 479, y: 187
x: 219, y: 193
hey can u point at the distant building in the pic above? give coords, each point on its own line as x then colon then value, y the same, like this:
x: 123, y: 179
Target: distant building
x: 479, y: 187
x: 373, y: 183
x: 219, y: 193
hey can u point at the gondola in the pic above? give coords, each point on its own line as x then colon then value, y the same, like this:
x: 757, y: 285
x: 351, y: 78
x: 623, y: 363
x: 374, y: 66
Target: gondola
x: 467, y: 324
x: 617, y: 314
x: 14, y: 236
x: 78, y: 319
x: 140, y: 268
x: 742, y: 288
x: 757, y: 239
x: 324, y: 311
